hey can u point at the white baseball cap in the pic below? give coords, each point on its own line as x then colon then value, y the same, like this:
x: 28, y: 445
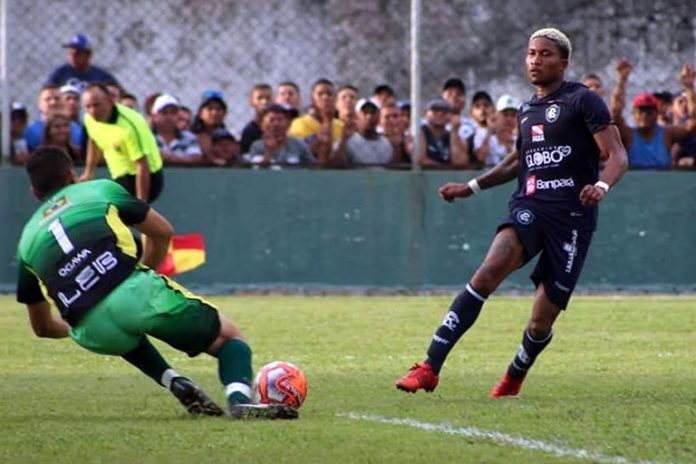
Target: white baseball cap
x: 365, y: 102
x: 507, y: 102
x: 70, y: 88
x: 163, y: 101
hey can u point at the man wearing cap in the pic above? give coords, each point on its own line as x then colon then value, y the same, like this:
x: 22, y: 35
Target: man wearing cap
x: 648, y: 143
x: 454, y: 91
x: 224, y: 149
x: 501, y: 136
x: 440, y: 146
x: 70, y: 99
x: 366, y: 146
x: 483, y: 115
x: 177, y: 146
x: 49, y: 102
x: 79, y: 71
x: 125, y: 140
x: 664, y: 107
x: 563, y: 129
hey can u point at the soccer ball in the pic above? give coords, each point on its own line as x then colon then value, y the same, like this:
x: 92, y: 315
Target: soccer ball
x: 280, y: 383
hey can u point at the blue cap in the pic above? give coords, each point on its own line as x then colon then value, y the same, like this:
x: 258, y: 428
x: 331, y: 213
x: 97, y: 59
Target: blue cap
x: 213, y: 95
x: 79, y: 41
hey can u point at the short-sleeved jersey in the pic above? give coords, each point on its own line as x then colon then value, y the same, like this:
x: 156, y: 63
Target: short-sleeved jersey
x: 77, y: 247
x: 69, y: 75
x: 558, y: 153
x: 124, y: 139
x: 306, y: 127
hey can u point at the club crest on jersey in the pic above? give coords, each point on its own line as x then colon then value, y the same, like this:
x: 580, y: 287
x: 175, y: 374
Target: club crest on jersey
x: 55, y: 205
x: 552, y: 113
x: 538, y: 133
x: 525, y: 217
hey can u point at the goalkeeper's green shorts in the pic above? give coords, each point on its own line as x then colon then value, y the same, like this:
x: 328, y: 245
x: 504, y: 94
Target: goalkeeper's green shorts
x: 148, y: 304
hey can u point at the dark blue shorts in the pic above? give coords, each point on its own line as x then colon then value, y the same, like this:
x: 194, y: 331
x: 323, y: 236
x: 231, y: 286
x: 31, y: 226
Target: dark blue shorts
x: 562, y: 248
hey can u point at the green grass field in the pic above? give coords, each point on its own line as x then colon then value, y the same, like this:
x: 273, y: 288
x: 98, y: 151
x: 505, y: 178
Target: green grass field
x: 618, y: 381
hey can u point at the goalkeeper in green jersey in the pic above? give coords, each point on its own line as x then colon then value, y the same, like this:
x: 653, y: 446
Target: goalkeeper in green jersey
x: 78, y: 254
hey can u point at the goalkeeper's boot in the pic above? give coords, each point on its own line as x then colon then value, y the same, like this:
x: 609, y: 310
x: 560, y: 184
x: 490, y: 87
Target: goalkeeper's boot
x: 508, y: 386
x: 252, y: 411
x: 419, y: 376
x: 194, y: 398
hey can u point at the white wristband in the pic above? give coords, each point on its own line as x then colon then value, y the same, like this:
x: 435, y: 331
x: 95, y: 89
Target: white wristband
x: 603, y: 185
x: 474, y: 186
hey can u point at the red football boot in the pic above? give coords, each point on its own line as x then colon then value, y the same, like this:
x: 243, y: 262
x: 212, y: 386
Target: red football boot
x: 508, y: 386
x: 419, y: 376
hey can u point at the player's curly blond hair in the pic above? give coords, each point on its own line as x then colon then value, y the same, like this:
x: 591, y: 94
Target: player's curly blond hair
x: 557, y: 37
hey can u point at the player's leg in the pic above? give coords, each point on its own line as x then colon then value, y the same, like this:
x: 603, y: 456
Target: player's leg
x: 555, y: 276
x: 235, y: 371
x: 149, y: 360
x: 535, y: 338
x: 193, y: 325
x: 234, y: 362
x: 113, y: 327
x: 506, y: 254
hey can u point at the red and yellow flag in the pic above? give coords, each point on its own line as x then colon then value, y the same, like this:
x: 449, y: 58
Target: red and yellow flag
x: 186, y: 252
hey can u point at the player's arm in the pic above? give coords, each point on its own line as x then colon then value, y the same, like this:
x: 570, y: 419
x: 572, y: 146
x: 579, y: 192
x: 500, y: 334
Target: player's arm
x: 609, y: 141
x: 44, y: 323
x: 501, y: 173
x: 29, y: 293
x: 158, y: 232
x: 94, y: 155
x: 142, y: 179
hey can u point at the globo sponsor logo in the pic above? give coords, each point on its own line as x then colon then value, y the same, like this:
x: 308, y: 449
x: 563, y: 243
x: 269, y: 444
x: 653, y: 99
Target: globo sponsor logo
x: 545, y: 157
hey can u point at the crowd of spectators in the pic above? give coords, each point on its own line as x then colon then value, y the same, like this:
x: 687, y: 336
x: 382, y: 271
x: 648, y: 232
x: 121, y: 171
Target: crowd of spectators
x: 339, y: 128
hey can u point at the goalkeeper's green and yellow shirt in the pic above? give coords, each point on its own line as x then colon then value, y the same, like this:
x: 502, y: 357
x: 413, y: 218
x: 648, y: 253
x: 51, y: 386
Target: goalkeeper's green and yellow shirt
x: 77, y: 247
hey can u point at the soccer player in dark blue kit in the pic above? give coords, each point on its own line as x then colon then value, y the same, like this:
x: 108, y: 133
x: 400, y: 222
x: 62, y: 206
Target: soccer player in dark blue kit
x: 564, y: 130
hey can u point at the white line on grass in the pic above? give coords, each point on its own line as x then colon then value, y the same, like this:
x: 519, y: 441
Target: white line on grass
x: 498, y: 437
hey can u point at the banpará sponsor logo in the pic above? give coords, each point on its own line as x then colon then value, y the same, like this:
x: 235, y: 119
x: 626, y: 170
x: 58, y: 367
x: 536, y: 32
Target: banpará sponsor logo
x: 547, y: 156
x: 554, y: 184
x: 533, y: 184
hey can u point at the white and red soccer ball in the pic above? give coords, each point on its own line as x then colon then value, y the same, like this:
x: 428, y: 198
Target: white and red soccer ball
x: 280, y: 382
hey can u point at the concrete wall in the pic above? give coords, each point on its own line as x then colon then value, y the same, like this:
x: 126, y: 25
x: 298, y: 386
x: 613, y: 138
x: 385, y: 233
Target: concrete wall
x: 385, y: 229
x: 187, y: 46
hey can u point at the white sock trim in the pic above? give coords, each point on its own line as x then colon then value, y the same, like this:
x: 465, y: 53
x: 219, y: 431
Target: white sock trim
x: 167, y: 378
x: 543, y: 340
x: 238, y: 387
x: 474, y: 293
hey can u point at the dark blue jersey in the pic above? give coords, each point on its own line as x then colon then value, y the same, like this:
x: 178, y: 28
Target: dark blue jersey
x: 66, y: 74
x: 558, y: 154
